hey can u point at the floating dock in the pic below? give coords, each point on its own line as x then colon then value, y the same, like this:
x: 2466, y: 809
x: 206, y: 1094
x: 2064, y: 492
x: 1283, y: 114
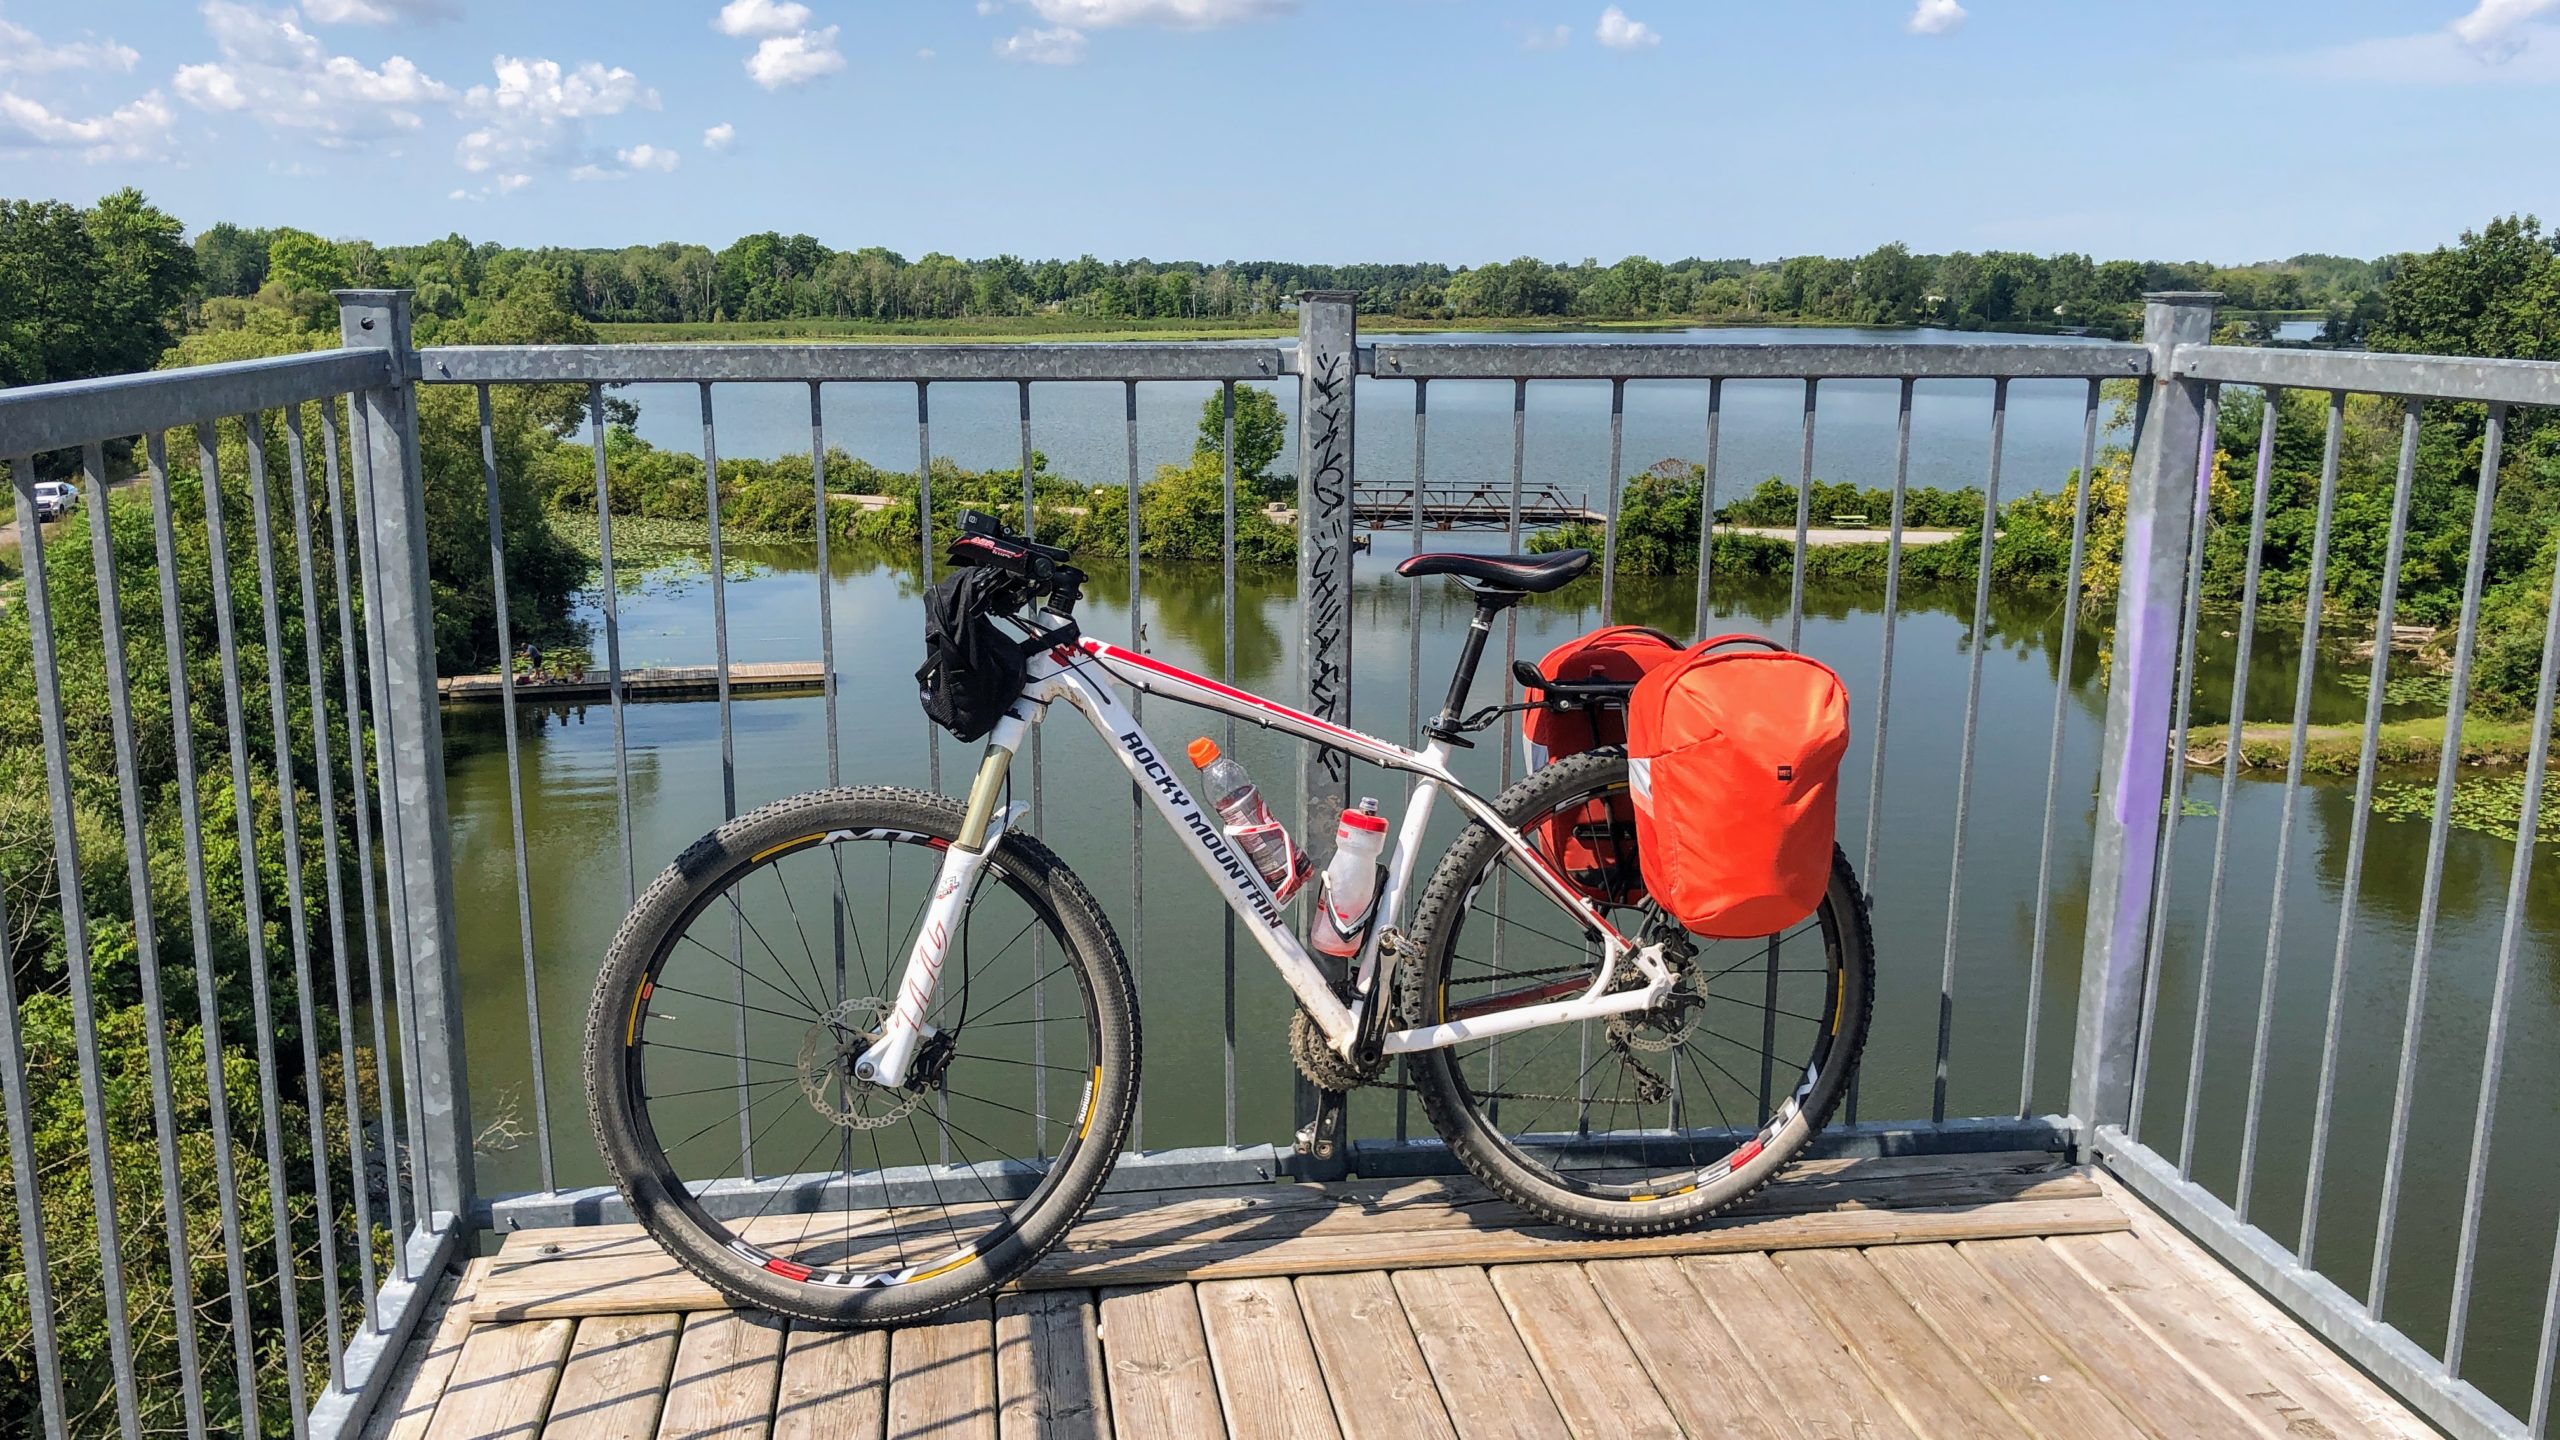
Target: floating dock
x: 664, y: 682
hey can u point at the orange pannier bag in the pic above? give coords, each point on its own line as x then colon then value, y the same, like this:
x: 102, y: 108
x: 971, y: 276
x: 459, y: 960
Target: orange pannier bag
x: 1589, y: 843
x: 1734, y: 759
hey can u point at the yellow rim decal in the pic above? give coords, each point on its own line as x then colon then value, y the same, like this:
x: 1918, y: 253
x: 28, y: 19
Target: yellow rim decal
x: 1090, y: 1096
x: 759, y: 857
x: 943, y: 1269
x: 1840, y: 999
x: 631, y: 1029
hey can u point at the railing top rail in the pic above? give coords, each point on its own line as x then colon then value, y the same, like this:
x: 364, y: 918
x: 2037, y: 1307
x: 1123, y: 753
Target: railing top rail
x: 38, y: 418
x: 679, y: 364
x: 1778, y: 360
x: 2365, y: 372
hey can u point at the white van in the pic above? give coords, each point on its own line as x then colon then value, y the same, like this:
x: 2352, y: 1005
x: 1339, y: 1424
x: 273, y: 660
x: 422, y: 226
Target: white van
x: 56, y: 498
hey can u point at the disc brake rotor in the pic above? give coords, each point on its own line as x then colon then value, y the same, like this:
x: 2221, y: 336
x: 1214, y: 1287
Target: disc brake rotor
x: 827, y: 1081
x: 1668, y: 1023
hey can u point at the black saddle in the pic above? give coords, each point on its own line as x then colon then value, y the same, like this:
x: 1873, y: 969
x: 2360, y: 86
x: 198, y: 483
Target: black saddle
x: 1523, y: 574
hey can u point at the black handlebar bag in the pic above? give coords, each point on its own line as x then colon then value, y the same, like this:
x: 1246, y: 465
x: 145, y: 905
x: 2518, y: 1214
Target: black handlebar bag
x: 972, y: 670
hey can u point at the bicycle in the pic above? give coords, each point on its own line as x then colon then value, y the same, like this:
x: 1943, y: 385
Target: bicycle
x: 967, y: 1120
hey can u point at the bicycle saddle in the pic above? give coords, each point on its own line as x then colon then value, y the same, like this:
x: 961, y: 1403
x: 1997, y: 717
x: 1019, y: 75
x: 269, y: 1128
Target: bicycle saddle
x: 1529, y: 574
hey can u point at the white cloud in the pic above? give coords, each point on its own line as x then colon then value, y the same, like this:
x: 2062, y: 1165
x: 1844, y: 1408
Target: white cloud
x: 1934, y: 17
x: 1618, y: 32
x: 136, y: 131
x: 510, y: 184
x: 925, y: 54
x: 25, y: 52
x: 747, y: 18
x: 2496, y: 30
x: 648, y: 157
x: 377, y: 12
x: 1175, y: 14
x: 535, y: 117
x: 1060, y: 45
x: 784, y: 60
x: 1535, y: 38
x: 280, y: 73
x: 719, y: 136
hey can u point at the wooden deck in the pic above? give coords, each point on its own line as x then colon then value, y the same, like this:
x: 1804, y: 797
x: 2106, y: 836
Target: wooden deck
x: 664, y: 682
x: 2004, y: 1295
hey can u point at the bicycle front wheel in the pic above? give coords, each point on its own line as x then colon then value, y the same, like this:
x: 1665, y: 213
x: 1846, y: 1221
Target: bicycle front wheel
x: 1649, y: 1121
x: 721, y: 1042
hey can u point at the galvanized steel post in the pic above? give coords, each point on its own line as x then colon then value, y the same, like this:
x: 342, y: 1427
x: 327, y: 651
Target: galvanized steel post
x: 2160, y: 513
x: 411, y: 742
x: 1328, y: 349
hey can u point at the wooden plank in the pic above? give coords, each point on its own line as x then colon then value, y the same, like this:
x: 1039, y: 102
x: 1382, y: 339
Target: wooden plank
x: 629, y: 1275
x: 410, y: 1415
x: 1268, y: 1380
x: 1156, y: 1360
x: 722, y: 1384
x: 1591, y: 1371
x: 834, y: 1386
x: 1821, y: 1388
x: 942, y: 1377
x: 1926, y: 1381
x: 1684, y: 1350
x: 2037, y: 1380
x: 615, y: 1379
x: 1485, y: 1376
x: 1381, y: 1385
x: 1049, y: 1380
x: 2239, y: 1340
x: 2153, y: 1386
x: 502, y: 1381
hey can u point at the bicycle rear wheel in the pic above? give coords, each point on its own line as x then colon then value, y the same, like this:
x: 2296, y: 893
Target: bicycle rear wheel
x: 736, y: 996
x: 1650, y: 1121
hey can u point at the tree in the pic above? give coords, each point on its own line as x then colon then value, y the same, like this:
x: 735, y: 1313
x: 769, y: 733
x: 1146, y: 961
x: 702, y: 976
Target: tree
x: 1262, y: 432
x: 2497, y: 293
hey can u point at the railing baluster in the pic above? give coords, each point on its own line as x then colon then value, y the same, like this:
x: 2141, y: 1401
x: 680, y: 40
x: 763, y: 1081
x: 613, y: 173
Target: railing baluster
x: 2053, y: 754
x: 2493, y: 1051
x: 2315, y: 593
x: 200, y: 931
x: 1972, y: 708
x: 605, y: 592
x: 2351, y: 885
x: 924, y: 533
x: 1707, y: 495
x: 1884, y: 661
x: 2431, y: 893
x: 1608, y: 532
x: 1137, y: 799
x: 1227, y: 667
x: 279, y: 714
x: 146, y: 929
x: 1413, y: 650
x: 253, y: 907
x: 2247, y: 632
x: 317, y: 696
x: 75, y: 943
x: 1039, y: 940
x: 349, y: 647
x: 23, y: 1174
x: 2174, y: 801
x: 728, y: 760
x: 515, y: 789
x: 1804, y: 509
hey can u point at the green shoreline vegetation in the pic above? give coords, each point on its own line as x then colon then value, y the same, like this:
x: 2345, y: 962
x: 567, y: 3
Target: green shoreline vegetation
x: 120, y: 286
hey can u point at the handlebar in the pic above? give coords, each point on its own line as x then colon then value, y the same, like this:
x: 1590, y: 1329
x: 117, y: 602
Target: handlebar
x: 985, y: 542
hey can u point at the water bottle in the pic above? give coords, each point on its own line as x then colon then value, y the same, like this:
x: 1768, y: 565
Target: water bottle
x: 1348, y: 901
x: 1238, y: 801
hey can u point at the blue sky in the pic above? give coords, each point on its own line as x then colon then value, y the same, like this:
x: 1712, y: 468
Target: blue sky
x: 1455, y: 130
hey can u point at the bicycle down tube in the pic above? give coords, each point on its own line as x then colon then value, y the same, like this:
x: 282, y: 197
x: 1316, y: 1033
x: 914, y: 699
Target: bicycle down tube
x: 1076, y: 676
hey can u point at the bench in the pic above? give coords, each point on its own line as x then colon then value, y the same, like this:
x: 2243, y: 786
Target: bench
x: 1849, y: 522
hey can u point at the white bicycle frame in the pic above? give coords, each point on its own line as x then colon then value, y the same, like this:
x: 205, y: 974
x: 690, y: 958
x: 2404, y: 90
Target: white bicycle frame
x: 1077, y: 676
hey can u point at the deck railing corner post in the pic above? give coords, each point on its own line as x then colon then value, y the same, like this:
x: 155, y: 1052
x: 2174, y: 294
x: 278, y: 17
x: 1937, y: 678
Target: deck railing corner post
x: 2161, y: 506
x: 409, y: 742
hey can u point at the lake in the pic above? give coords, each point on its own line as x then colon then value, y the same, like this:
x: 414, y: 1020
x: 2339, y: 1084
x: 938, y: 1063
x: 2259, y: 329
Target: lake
x: 577, y: 886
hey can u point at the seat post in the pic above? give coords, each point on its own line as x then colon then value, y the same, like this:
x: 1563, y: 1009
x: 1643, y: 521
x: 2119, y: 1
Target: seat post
x: 1489, y: 603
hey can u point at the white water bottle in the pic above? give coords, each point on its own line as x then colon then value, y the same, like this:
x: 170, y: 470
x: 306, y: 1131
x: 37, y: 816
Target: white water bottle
x: 1348, y: 903
x: 1238, y: 801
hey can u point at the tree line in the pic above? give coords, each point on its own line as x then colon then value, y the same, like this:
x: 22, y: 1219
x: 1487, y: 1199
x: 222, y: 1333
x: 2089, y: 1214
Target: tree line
x: 774, y: 277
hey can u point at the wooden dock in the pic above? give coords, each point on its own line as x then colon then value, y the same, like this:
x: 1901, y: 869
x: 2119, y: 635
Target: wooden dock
x: 664, y: 682
x: 1986, y: 1295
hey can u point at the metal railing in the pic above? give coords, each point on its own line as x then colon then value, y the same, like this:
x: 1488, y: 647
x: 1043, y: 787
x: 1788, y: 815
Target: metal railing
x: 366, y: 713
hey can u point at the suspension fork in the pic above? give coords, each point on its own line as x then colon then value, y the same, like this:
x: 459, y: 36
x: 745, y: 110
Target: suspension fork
x: 885, y: 1063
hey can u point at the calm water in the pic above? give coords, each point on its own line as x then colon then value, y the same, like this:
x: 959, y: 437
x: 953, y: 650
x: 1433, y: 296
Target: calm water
x: 577, y: 884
